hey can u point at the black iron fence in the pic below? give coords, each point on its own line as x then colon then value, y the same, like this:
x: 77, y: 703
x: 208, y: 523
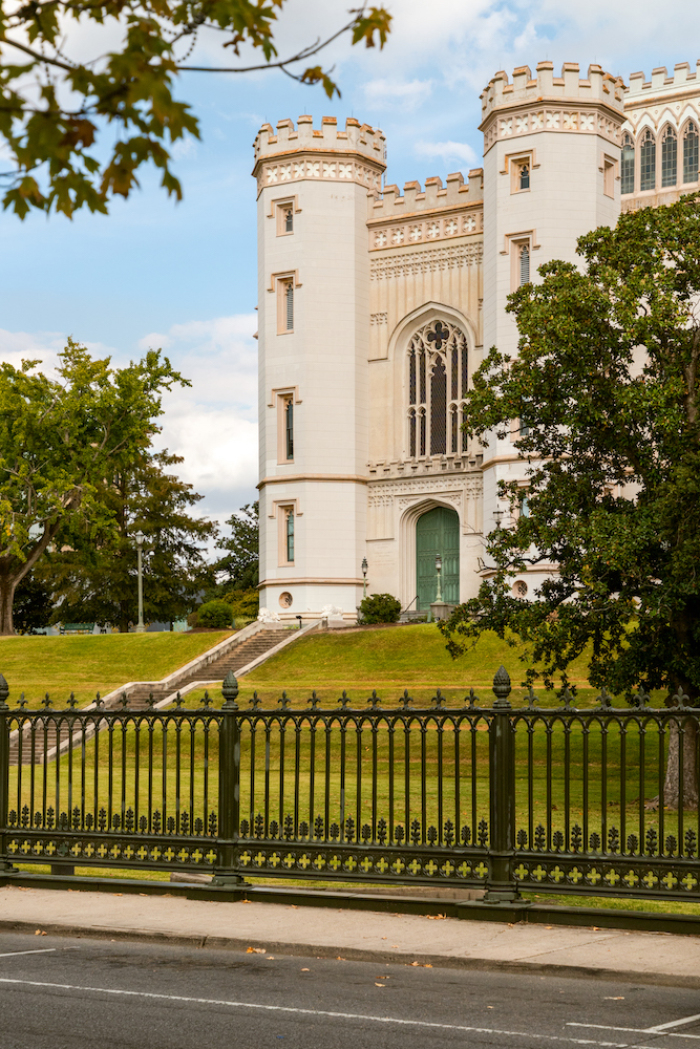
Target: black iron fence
x: 582, y: 802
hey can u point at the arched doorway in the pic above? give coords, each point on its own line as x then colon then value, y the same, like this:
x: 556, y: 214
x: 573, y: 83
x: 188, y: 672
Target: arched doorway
x: 437, y: 532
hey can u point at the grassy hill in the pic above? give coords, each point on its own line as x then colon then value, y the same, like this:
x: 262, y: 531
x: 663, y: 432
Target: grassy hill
x: 90, y: 663
x: 390, y: 660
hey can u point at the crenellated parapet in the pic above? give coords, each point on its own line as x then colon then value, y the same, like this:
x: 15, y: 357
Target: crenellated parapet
x: 291, y: 153
x: 663, y: 99
x: 424, y: 216
x: 569, y: 104
x: 662, y: 83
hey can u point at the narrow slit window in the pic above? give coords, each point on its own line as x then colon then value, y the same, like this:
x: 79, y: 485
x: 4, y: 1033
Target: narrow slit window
x: 438, y: 408
x: 289, y: 306
x: 412, y: 433
x: 422, y: 432
x: 524, y: 177
x: 524, y: 273
x: 669, y: 157
x: 454, y: 429
x: 691, y: 157
x: 627, y: 165
x: 289, y: 535
x: 647, y: 161
x: 289, y: 428
x: 288, y: 220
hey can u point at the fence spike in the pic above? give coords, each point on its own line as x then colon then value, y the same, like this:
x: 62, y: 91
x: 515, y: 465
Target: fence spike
x: 229, y: 690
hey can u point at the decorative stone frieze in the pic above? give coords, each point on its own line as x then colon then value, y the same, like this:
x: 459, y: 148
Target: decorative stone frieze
x: 417, y: 231
x: 449, y: 258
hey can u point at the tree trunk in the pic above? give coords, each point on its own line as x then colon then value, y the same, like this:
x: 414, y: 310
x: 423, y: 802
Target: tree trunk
x: 683, y: 735
x: 7, y: 596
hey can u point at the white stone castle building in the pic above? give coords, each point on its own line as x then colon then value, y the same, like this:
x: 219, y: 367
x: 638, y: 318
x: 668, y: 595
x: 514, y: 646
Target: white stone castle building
x: 375, y: 307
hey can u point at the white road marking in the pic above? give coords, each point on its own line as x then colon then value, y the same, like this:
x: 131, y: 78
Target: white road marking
x: 315, y: 1012
x: 674, y: 1023
x: 43, y: 950
x: 642, y: 1030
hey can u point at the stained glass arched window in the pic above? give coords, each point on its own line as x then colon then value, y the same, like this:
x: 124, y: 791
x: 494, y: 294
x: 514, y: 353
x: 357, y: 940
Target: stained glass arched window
x: 669, y: 156
x: 627, y: 164
x: 691, y: 159
x: 647, y: 161
x: 438, y: 356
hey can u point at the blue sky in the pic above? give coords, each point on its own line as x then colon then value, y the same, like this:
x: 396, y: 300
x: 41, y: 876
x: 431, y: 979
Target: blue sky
x: 183, y: 276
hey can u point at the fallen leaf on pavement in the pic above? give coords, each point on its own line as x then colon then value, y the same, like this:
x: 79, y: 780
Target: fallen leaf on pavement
x: 380, y: 985
x: 255, y: 950
x: 435, y: 917
x: 614, y: 998
x: 305, y: 970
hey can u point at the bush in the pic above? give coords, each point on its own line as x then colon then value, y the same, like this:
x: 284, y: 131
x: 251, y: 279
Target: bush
x: 218, y: 614
x: 379, y: 608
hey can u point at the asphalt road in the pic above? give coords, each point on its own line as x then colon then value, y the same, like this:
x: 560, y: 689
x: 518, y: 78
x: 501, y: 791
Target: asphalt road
x: 57, y: 993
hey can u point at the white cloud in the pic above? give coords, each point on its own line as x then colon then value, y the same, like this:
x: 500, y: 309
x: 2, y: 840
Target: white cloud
x: 213, y: 423
x: 447, y: 151
x: 406, y: 93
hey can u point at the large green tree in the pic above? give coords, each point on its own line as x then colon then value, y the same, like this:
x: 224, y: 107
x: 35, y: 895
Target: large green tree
x: 608, y: 378
x: 237, y: 568
x: 93, y: 574
x: 57, y: 105
x: 62, y: 438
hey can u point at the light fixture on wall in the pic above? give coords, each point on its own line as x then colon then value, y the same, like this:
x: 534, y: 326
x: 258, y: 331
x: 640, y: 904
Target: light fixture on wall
x: 498, y: 516
x: 365, y: 566
x: 438, y: 569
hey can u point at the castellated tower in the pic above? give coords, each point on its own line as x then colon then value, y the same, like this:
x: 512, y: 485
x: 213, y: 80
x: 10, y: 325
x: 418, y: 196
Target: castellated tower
x: 551, y: 174
x: 313, y: 280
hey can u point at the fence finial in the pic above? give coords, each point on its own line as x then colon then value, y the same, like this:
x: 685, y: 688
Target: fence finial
x: 229, y: 690
x: 4, y: 692
x: 501, y: 687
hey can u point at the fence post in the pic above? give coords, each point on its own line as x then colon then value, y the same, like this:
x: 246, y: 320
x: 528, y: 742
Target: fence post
x: 229, y: 786
x: 6, y: 866
x: 501, y: 887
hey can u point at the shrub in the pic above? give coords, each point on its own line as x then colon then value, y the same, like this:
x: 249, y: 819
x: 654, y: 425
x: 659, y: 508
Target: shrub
x: 379, y: 608
x: 217, y: 614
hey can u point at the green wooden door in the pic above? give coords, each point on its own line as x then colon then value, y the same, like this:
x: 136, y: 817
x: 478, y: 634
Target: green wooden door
x: 437, y: 532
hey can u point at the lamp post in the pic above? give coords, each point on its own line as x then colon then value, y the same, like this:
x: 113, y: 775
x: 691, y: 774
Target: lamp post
x: 438, y: 569
x: 498, y: 517
x: 365, y: 566
x: 139, y: 537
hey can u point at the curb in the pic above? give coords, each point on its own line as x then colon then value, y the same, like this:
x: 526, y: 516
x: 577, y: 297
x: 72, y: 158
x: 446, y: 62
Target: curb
x: 352, y: 954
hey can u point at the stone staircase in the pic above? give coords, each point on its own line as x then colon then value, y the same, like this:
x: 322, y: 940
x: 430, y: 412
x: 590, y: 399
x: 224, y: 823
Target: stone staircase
x: 235, y: 659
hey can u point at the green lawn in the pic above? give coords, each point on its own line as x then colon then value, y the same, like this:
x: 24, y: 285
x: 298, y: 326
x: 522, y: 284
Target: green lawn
x: 90, y: 663
x: 390, y: 660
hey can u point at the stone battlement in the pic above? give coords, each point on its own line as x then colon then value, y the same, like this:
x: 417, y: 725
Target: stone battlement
x: 598, y: 86
x: 392, y: 204
x: 356, y: 138
x: 661, y: 82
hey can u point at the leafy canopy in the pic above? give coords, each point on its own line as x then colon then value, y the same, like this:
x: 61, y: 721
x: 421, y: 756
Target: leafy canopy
x: 92, y: 571
x: 237, y: 569
x: 608, y: 378
x: 53, y: 105
x: 62, y: 439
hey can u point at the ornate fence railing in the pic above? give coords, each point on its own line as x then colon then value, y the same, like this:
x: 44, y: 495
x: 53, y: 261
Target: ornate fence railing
x: 506, y: 799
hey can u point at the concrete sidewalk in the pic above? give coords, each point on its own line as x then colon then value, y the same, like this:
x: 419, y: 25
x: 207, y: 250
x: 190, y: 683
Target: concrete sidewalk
x: 330, y: 932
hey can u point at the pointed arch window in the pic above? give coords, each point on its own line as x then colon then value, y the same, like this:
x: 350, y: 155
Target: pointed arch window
x: 627, y: 164
x: 669, y: 156
x: 647, y: 161
x: 438, y: 380
x: 691, y: 157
